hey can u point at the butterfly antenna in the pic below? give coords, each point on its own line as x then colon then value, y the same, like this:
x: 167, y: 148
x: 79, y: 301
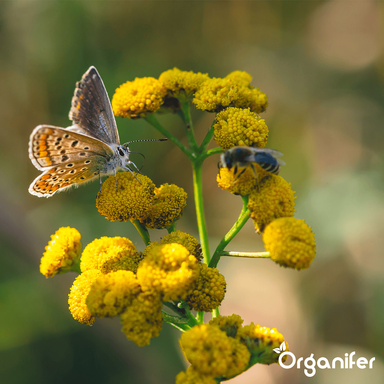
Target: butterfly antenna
x: 138, y: 141
x: 143, y: 158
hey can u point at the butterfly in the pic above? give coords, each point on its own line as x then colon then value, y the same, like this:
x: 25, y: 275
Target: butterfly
x: 82, y: 152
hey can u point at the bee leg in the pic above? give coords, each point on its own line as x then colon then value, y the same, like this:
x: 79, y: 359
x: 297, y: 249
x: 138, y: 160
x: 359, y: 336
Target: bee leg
x: 238, y: 176
x: 257, y: 180
x: 219, y: 168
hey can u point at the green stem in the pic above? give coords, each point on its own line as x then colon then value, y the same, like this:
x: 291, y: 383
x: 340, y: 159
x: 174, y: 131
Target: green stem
x: 215, y: 313
x: 201, y: 224
x: 207, y: 139
x: 177, y: 322
x: 143, y: 232
x: 151, y: 119
x: 243, y: 218
x: 253, y: 255
x: 200, y: 317
x: 172, y: 227
x: 210, y: 152
x: 186, y: 116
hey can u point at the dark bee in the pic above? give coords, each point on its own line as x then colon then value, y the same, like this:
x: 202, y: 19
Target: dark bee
x: 242, y: 157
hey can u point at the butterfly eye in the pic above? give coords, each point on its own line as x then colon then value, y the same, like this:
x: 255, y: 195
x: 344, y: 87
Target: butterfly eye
x: 121, y: 152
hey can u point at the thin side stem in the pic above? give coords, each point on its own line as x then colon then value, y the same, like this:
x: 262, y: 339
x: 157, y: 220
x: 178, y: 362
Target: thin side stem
x: 207, y: 139
x: 151, y: 119
x: 201, y: 224
x: 186, y: 111
x: 210, y: 152
x: 243, y: 218
x: 252, y: 255
x: 143, y: 232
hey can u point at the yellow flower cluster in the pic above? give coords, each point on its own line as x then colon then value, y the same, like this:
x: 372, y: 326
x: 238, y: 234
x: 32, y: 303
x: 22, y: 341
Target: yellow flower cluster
x: 272, y: 199
x: 137, y: 98
x: 239, y: 127
x: 62, y: 252
x: 209, y: 291
x: 290, y: 242
x: 178, y: 237
x: 224, y: 348
x: 167, y: 206
x: 110, y: 254
x: 169, y: 270
x: 133, y: 200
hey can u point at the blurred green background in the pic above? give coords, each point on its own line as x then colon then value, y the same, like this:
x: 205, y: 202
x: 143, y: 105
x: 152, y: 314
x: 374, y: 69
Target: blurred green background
x: 321, y: 63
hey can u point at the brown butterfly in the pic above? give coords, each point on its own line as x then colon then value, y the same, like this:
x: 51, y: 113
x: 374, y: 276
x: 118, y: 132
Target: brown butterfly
x: 77, y: 154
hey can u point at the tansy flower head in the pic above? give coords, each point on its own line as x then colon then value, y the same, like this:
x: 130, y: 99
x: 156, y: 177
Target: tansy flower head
x: 137, y: 98
x: 169, y: 270
x: 228, y: 324
x: 240, y: 77
x: 239, y: 127
x: 241, y: 183
x: 182, y: 238
x: 192, y: 376
x: 62, y: 252
x: 261, y: 341
x: 213, y: 353
x: 112, y: 293
x: 290, y: 242
x: 272, y: 199
x: 167, y: 206
x: 209, y: 291
x: 215, y: 94
x: 131, y: 201
x: 110, y: 254
x: 182, y: 84
x: 143, y: 319
x: 78, y: 294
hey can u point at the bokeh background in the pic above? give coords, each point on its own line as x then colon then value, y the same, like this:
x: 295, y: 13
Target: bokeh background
x: 321, y: 63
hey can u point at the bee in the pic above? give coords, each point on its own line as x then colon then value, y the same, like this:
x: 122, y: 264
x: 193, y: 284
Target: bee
x: 240, y: 158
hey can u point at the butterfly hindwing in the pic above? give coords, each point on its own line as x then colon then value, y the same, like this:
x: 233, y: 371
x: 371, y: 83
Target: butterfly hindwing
x: 50, y: 146
x: 91, y: 108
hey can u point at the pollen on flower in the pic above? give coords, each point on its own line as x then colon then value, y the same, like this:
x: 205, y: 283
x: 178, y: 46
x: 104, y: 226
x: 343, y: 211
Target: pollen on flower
x: 215, y: 94
x: 211, y: 352
x: 78, y: 295
x: 167, y: 206
x: 112, y: 293
x: 143, y: 319
x: 241, y: 183
x: 228, y: 324
x: 169, y: 270
x: 261, y: 341
x: 62, y: 252
x: 209, y: 291
x: 240, y: 127
x: 110, y: 254
x: 135, y: 99
x: 182, y: 84
x: 192, y: 376
x: 131, y: 201
x: 290, y: 242
x: 272, y: 199
x: 240, y: 77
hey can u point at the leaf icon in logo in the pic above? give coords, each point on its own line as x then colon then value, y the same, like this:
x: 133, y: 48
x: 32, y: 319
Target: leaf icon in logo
x: 277, y: 350
x: 282, y: 346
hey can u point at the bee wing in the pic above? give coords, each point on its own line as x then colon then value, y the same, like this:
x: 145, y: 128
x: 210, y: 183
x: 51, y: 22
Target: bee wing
x: 270, y: 151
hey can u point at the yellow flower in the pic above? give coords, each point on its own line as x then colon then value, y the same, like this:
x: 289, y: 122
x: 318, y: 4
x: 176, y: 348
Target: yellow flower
x: 290, y: 242
x: 213, y: 353
x: 132, y: 201
x: 143, y: 319
x: 215, y: 94
x: 78, y: 294
x: 209, y: 291
x: 112, y: 293
x: 248, y: 97
x: 239, y: 127
x: 169, y: 270
x: 182, y: 84
x: 272, y: 199
x: 261, y: 341
x: 182, y: 238
x: 167, y: 206
x: 62, y: 252
x: 137, y: 98
x: 244, y: 184
x: 110, y: 254
x: 228, y: 324
x: 192, y: 376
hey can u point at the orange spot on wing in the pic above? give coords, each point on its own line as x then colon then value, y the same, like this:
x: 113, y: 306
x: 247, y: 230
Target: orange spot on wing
x: 42, y: 147
x: 43, y: 154
x: 41, y: 183
x: 43, y: 137
x: 55, y: 188
x: 45, y: 177
x: 48, y: 161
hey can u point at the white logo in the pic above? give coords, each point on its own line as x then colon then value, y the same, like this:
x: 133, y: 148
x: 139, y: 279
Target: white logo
x: 322, y: 362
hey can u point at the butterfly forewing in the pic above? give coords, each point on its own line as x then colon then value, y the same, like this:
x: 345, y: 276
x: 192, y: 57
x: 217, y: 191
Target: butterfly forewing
x: 91, y: 108
x: 50, y: 146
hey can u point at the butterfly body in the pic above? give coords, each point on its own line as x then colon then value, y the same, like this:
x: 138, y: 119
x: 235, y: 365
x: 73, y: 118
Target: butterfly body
x: 78, y: 154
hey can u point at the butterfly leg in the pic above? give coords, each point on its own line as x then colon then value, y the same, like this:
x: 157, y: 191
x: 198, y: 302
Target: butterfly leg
x: 130, y: 170
x: 117, y: 187
x: 137, y: 169
x: 100, y: 184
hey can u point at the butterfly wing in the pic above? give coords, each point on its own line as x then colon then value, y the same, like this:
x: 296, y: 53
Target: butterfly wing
x: 91, y: 108
x: 50, y: 146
